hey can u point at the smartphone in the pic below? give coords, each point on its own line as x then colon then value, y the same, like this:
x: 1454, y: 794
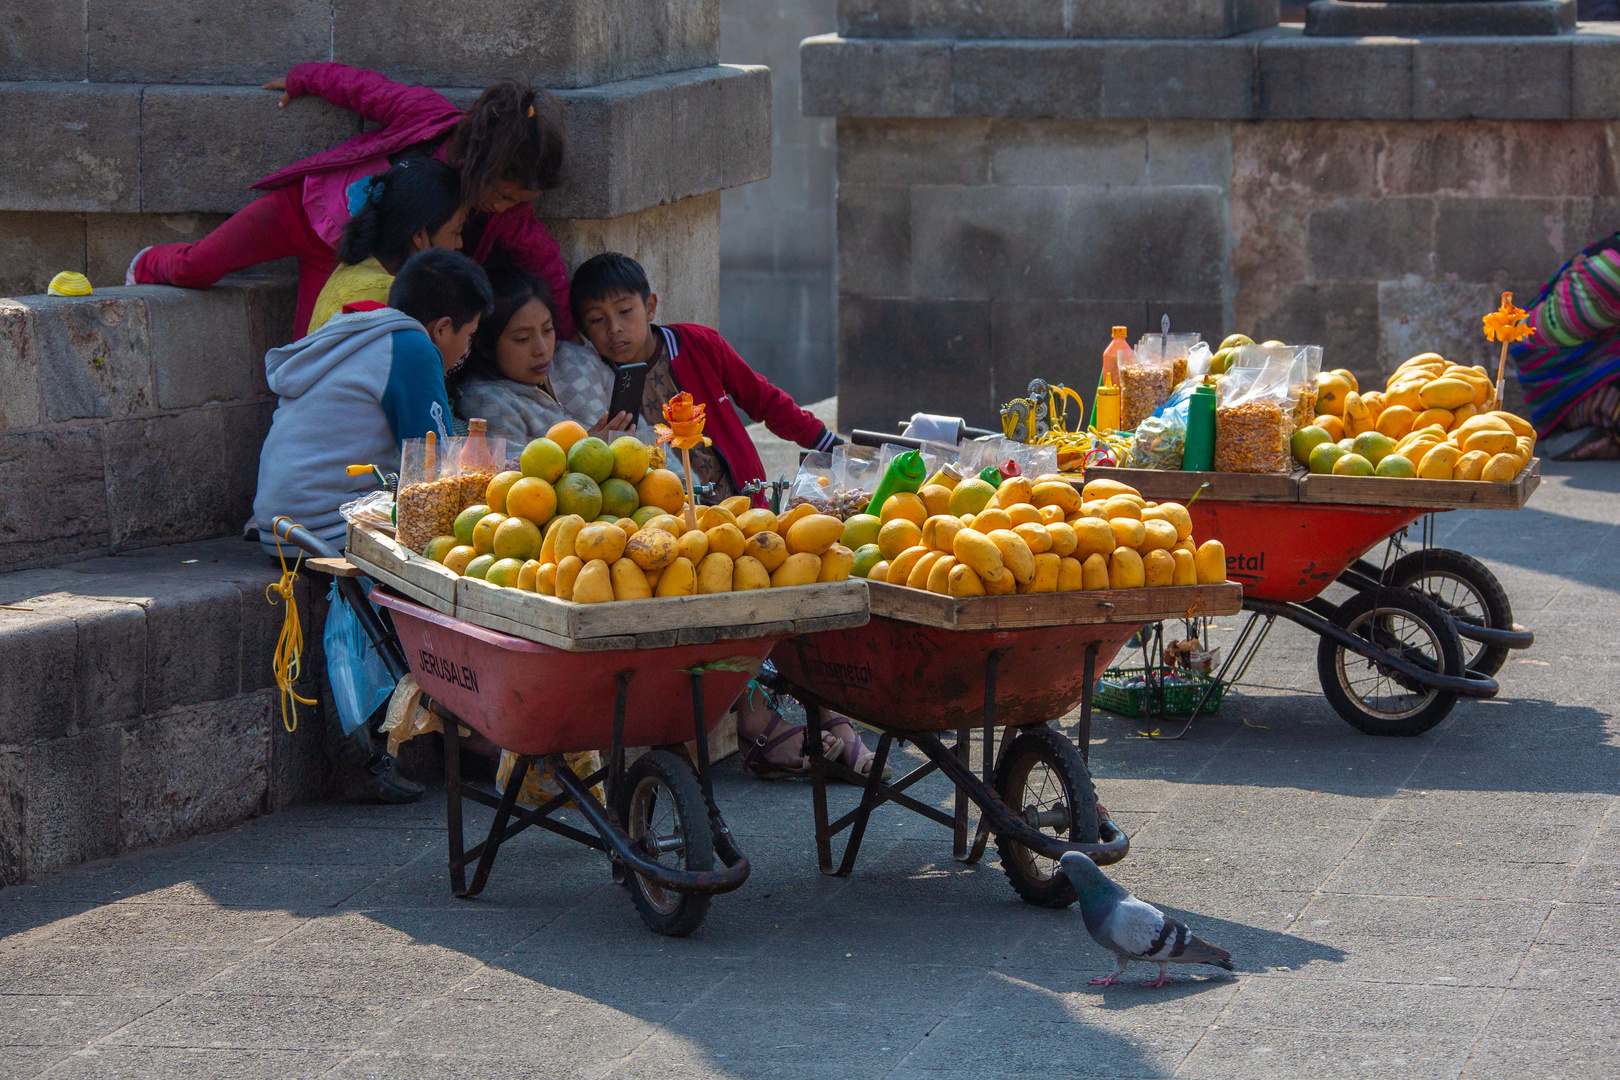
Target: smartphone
x: 628, y: 382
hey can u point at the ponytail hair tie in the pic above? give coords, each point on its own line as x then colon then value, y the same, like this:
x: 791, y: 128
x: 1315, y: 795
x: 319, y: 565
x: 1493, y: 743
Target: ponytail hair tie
x: 531, y: 112
x: 363, y: 192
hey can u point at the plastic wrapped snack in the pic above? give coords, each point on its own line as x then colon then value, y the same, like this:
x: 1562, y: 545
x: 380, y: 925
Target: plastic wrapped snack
x: 1159, y: 441
x: 813, y: 483
x: 855, y: 473
x: 1147, y: 379
x: 1303, y: 363
x: 429, y: 492
x: 1254, y: 419
x: 481, y: 458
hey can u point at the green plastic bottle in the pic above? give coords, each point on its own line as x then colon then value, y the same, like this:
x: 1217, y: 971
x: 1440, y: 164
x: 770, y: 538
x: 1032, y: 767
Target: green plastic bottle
x: 1198, y: 451
x: 905, y: 473
x: 991, y: 475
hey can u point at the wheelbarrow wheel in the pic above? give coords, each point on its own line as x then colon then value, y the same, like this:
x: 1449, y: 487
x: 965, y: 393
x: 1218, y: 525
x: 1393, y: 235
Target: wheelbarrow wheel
x: 1466, y: 590
x: 1378, y: 700
x: 662, y: 809
x: 1043, y: 779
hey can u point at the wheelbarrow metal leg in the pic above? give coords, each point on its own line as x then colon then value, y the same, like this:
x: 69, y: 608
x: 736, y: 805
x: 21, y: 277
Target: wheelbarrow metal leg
x: 959, y: 833
x: 818, y: 785
x: 452, y: 808
x: 1082, y: 731
x: 725, y: 845
x: 493, y: 844
x: 992, y: 757
x: 871, y: 797
x: 615, y: 764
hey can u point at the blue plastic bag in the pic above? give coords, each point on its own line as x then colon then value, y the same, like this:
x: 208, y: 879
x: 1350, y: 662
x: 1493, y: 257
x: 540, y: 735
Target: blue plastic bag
x: 360, y: 680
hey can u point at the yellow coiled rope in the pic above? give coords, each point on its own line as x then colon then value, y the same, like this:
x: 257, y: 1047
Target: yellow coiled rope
x: 290, y: 645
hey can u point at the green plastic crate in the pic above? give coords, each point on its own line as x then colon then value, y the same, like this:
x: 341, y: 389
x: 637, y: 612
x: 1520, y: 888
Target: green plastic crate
x: 1179, y: 699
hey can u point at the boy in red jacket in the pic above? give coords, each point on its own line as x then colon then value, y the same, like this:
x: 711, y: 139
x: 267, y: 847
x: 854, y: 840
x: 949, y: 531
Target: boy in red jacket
x: 614, y: 307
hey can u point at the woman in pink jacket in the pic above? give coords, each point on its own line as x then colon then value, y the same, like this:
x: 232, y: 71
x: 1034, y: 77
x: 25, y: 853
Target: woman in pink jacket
x: 508, y: 148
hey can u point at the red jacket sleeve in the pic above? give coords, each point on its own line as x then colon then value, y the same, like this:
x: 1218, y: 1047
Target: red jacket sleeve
x: 760, y: 399
x: 528, y: 245
x: 375, y: 97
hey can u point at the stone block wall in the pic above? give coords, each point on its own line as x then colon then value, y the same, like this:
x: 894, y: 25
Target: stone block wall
x: 1002, y: 203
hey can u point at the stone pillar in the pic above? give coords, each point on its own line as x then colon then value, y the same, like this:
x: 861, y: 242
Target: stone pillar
x: 1003, y: 200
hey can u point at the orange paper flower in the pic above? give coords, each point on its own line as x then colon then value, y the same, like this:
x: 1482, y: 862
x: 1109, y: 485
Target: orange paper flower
x: 685, y: 428
x: 1506, y: 324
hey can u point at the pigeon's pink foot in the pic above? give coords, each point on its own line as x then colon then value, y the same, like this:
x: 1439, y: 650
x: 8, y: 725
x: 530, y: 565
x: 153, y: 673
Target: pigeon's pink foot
x: 1110, y: 979
x: 1154, y: 984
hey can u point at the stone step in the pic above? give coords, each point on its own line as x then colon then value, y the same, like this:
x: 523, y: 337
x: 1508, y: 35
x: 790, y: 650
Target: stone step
x: 134, y: 416
x: 140, y: 706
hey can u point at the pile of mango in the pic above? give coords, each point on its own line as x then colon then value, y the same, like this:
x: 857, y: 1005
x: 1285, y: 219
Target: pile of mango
x: 1035, y: 536
x: 1432, y: 422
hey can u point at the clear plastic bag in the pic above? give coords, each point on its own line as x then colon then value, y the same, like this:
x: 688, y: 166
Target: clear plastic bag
x: 813, y: 483
x: 429, y: 492
x: 480, y: 457
x: 360, y: 680
x: 855, y: 473
x: 1147, y: 378
x: 374, y: 509
x: 1254, y: 420
x: 1303, y: 362
x: 1160, y: 440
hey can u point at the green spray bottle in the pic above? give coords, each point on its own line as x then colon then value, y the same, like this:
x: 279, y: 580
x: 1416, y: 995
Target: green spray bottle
x: 905, y: 473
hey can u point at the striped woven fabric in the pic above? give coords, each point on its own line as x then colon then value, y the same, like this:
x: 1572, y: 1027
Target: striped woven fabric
x: 1575, y: 350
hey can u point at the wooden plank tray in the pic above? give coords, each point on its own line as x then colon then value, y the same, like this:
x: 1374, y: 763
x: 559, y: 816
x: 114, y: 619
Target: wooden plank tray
x: 1300, y: 486
x: 1054, y: 609
x: 623, y: 624
x: 1431, y: 494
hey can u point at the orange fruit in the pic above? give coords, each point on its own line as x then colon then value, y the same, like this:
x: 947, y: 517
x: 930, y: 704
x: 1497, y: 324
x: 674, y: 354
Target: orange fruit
x: 663, y: 489
x: 578, y: 494
x: 545, y: 459
x: 565, y: 433
x: 592, y: 457
x: 530, y: 497
x: 495, y: 493
x: 483, y: 535
x: 897, y: 535
x: 907, y: 505
x: 516, y: 538
x: 457, y: 558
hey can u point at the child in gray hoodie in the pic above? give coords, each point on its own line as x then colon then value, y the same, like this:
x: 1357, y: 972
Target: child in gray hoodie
x: 353, y: 390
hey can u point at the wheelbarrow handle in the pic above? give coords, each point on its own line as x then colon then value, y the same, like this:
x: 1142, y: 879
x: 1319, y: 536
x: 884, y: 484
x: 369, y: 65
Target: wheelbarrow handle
x: 297, y: 534
x: 694, y: 882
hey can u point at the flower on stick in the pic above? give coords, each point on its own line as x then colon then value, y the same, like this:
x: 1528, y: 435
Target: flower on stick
x: 684, y: 430
x: 1506, y: 324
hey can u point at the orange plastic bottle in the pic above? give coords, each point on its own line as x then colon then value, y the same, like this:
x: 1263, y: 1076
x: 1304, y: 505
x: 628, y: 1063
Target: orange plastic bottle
x: 1117, y: 350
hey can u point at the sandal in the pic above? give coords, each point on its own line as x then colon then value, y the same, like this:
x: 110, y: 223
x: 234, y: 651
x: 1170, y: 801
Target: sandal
x: 855, y: 753
x: 778, y: 731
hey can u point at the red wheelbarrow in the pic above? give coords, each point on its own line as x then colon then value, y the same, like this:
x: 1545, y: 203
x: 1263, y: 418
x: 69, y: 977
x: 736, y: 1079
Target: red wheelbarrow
x: 1392, y: 658
x: 927, y: 664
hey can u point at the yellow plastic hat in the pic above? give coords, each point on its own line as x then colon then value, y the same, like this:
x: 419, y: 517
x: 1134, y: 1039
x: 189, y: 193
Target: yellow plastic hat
x: 69, y: 283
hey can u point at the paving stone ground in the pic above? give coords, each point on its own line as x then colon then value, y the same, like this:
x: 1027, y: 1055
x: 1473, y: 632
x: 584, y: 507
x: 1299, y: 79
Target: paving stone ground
x: 1443, y: 906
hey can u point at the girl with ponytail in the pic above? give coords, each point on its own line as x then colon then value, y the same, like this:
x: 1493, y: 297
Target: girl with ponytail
x: 413, y: 206
x: 506, y: 149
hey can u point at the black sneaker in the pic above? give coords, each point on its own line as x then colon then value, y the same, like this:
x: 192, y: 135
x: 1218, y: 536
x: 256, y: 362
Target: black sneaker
x: 385, y: 783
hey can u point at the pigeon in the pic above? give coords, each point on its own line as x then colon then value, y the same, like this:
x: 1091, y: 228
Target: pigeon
x: 1132, y: 929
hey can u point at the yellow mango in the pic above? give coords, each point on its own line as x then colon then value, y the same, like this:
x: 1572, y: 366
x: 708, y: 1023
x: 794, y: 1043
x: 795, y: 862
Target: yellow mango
x: 1094, y: 509
x: 1374, y: 400
x: 628, y: 580
x: 652, y: 549
x: 1527, y: 448
x: 769, y: 548
x: 527, y: 574
x: 1014, y: 489
x: 600, y: 540
x: 1441, y: 418
x: 1396, y: 421
x: 1047, y: 568
x: 1357, y: 417
x: 1052, y: 514
x: 738, y: 504
x: 1447, y: 393
x: 901, y: 565
x: 918, y: 578
x: 973, y: 548
x: 675, y: 526
x: 1492, y: 442
x: 709, y: 517
x: 1023, y: 514
x: 939, y: 530
x: 1180, y: 517
x: 1516, y: 424
x: 1002, y: 585
x: 879, y: 571
x: 595, y: 583
x: 566, y: 529
x: 1015, y: 554
x: 548, y: 546
x: 1501, y: 469
x: 1094, y: 536
x: 1159, y: 566
x: 1128, y: 532
x: 990, y: 519
x: 714, y: 573
x: 1188, y: 545
x: 678, y: 579
x: 796, y: 514
x: 801, y: 568
x: 725, y: 539
x: 748, y: 572
x: 1210, y: 562
x: 1470, y: 465
x: 964, y: 582
x: 814, y: 534
x: 1120, y: 507
x: 1438, y: 463
x: 1489, y: 421
x: 939, y: 575
x: 756, y: 521
x: 692, y: 546
x: 1101, y: 489
x: 1462, y: 414
x: 1071, y: 574
x: 1186, y: 569
x: 1061, y: 539
x: 1158, y: 536
x: 1057, y: 493
x: 1036, y: 536
x: 836, y: 564
x: 568, y: 569
x: 1406, y: 396
x: 1125, y: 570
x: 1094, y: 572
x: 1331, y: 390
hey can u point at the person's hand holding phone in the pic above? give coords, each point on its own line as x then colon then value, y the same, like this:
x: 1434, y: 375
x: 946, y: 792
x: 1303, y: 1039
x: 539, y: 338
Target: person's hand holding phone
x: 620, y: 423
